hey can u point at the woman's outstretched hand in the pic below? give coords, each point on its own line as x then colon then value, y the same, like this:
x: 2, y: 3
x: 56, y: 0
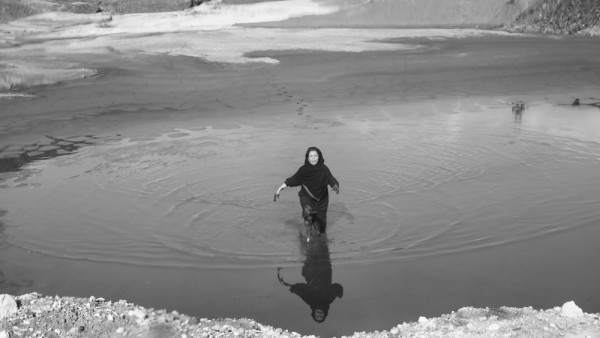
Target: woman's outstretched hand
x: 276, y: 197
x: 336, y: 188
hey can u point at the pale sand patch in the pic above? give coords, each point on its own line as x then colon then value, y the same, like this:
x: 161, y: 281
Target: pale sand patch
x: 52, y: 47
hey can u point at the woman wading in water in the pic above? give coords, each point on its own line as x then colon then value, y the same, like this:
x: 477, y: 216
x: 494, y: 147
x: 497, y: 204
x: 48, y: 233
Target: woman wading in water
x: 313, y: 178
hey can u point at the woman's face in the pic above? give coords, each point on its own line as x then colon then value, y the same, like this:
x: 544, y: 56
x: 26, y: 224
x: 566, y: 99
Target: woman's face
x: 313, y: 157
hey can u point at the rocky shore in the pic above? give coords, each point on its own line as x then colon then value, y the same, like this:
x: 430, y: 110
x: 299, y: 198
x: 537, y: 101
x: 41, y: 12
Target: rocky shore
x: 563, y: 17
x: 34, y: 315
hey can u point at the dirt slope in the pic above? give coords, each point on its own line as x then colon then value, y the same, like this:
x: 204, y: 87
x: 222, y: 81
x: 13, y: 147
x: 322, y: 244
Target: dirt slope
x: 559, y: 17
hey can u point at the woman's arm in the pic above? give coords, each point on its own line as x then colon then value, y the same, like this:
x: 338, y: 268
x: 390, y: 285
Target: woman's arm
x: 333, y: 182
x: 283, y: 186
x: 292, y: 181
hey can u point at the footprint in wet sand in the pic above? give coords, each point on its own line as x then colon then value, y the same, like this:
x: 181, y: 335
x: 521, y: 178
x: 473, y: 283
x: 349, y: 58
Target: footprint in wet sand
x: 301, y: 104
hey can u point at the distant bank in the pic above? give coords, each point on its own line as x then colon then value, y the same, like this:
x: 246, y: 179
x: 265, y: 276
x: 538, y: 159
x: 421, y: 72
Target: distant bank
x: 544, y: 16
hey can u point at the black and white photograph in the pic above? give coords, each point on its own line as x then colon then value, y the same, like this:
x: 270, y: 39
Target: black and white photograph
x: 299, y: 168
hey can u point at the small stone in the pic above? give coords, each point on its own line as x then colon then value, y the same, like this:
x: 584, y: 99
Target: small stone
x: 3, y: 334
x: 120, y: 330
x: 8, y: 305
x: 137, y: 313
x: 395, y: 331
x: 160, y: 330
x: 422, y: 320
x: 571, y: 310
x: 493, y: 327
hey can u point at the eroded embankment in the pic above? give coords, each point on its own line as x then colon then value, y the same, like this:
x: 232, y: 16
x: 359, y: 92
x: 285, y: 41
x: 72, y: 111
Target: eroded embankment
x: 560, y: 17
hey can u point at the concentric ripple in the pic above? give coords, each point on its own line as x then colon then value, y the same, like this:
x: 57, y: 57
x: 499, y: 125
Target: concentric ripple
x: 203, y: 197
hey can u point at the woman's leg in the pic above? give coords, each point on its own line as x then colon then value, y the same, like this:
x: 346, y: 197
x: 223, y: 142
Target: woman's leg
x: 308, y: 214
x: 321, y: 216
x: 305, y: 204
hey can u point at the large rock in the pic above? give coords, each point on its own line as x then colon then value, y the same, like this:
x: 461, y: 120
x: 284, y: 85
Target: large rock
x: 571, y: 310
x: 8, y: 306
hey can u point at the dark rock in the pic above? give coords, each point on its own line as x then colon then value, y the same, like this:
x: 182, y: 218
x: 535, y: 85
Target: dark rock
x: 194, y: 3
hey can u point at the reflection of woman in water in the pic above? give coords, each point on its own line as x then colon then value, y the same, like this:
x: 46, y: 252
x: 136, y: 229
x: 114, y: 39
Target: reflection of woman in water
x: 313, y: 178
x: 318, y: 291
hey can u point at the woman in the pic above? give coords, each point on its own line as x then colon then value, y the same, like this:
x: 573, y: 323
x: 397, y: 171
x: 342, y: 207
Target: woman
x: 313, y: 178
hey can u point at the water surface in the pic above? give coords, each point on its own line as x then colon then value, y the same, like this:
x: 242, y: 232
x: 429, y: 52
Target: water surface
x: 153, y: 182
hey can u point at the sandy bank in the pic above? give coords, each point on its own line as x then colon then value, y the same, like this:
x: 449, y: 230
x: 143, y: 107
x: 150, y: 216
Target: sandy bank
x: 35, y: 315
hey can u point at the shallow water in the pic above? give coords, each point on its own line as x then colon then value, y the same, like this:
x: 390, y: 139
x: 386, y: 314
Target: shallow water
x: 153, y: 182
x: 454, y: 181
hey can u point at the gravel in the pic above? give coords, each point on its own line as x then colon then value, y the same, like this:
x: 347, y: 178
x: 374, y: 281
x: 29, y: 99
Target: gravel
x: 35, y: 315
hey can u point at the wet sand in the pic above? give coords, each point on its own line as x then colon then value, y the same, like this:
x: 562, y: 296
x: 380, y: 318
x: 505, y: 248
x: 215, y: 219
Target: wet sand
x: 447, y: 198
